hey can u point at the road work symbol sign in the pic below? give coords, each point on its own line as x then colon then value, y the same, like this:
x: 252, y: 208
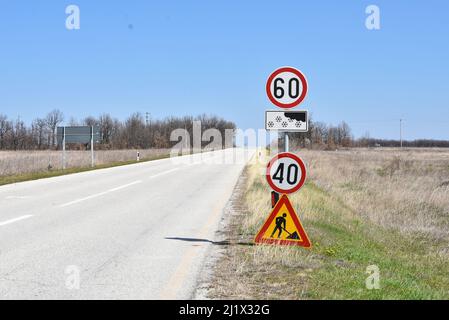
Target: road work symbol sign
x: 286, y: 173
x: 283, y: 227
x: 287, y: 87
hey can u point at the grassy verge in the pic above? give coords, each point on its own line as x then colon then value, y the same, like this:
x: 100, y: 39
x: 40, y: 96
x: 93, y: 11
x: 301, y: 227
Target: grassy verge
x: 56, y: 173
x: 344, y: 246
x: 347, y: 245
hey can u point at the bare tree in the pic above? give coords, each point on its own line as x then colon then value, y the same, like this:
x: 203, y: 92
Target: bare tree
x: 38, y: 127
x: 90, y: 121
x: 345, y: 134
x: 19, y: 134
x: 106, y: 127
x: 73, y: 122
x: 5, y: 128
x: 53, y: 119
x: 134, y: 131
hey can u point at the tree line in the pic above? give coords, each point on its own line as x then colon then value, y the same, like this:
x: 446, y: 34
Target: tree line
x: 139, y: 132
x: 331, y: 137
x: 135, y: 132
x: 323, y: 136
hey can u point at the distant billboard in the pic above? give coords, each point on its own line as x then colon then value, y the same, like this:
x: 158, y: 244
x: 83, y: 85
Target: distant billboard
x: 78, y: 134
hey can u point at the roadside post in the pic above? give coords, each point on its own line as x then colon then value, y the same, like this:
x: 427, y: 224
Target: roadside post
x: 286, y: 173
x: 92, y: 147
x: 63, y: 149
x: 85, y: 135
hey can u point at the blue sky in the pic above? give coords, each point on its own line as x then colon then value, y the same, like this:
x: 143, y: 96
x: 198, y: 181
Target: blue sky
x: 192, y: 57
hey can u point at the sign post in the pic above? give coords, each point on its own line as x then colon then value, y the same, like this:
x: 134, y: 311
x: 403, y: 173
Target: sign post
x: 85, y: 135
x: 286, y: 173
x: 92, y: 147
x: 63, y: 149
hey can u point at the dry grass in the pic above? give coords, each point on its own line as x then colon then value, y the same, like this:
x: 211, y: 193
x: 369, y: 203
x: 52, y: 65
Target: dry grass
x: 23, y: 162
x: 404, y: 190
x: 245, y: 271
x: 360, y: 207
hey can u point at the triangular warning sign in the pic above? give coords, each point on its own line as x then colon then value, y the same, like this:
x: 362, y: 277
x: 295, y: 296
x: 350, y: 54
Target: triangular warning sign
x: 283, y: 227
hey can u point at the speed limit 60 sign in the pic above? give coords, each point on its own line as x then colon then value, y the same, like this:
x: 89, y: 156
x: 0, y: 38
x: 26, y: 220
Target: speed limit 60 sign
x: 286, y: 173
x: 287, y: 87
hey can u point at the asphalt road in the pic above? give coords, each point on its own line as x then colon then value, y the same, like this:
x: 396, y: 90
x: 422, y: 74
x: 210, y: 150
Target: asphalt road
x: 135, y: 232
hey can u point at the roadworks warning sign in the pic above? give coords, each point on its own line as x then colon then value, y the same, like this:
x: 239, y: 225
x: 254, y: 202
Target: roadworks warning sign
x: 283, y: 227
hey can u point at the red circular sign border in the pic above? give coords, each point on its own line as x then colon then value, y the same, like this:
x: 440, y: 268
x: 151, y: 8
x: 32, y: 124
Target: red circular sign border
x: 305, y: 86
x: 301, y: 165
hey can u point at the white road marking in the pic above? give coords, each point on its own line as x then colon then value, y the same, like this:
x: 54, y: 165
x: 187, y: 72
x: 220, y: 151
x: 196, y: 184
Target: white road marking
x: 99, y: 194
x: 115, y: 189
x: 164, y: 173
x: 83, y: 199
x: 4, y: 223
x: 125, y: 186
x: 17, y: 197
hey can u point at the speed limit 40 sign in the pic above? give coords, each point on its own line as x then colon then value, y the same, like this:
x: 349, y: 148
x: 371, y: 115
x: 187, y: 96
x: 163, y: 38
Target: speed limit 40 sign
x: 287, y: 87
x: 286, y: 173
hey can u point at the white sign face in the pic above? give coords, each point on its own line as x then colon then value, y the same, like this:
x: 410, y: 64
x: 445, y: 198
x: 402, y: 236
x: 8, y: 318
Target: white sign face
x: 288, y: 121
x: 286, y: 173
x: 286, y: 87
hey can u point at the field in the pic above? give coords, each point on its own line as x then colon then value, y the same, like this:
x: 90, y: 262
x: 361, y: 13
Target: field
x: 382, y: 209
x: 28, y: 165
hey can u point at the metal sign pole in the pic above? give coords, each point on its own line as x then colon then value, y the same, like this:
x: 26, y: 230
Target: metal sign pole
x: 285, y: 91
x: 63, y: 148
x: 274, y: 195
x: 92, y: 147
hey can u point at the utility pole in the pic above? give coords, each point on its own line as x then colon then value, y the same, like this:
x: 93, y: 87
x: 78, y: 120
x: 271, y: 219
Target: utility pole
x: 147, y: 118
x: 400, y: 131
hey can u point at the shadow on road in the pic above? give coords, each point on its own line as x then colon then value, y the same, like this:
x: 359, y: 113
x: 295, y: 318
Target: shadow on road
x: 218, y: 243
